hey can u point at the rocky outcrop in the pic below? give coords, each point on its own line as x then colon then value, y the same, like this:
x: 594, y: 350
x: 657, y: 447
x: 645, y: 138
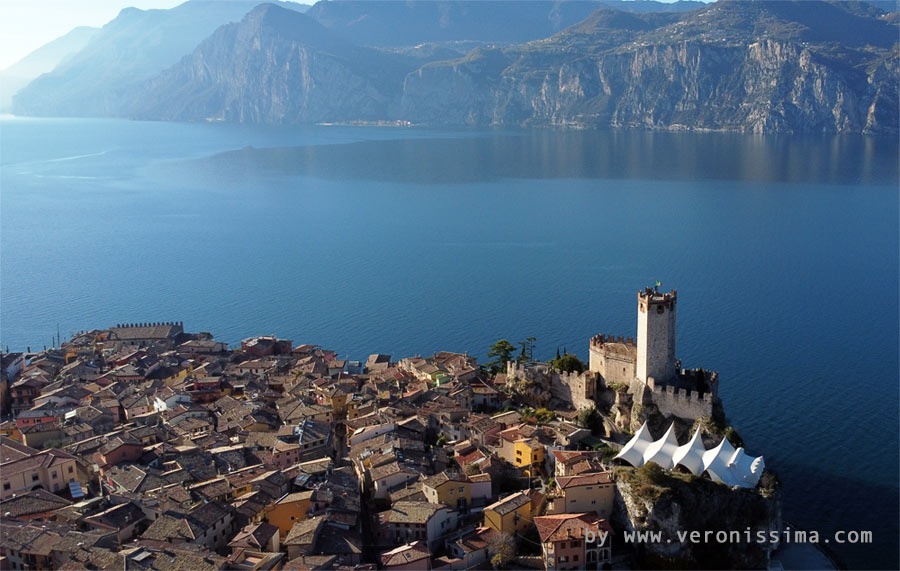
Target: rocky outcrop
x: 650, y: 499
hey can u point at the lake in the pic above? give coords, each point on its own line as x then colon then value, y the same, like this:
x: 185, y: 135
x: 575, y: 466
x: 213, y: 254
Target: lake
x: 783, y: 249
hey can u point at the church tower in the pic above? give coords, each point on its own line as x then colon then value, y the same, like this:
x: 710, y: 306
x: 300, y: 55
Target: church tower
x: 656, y: 335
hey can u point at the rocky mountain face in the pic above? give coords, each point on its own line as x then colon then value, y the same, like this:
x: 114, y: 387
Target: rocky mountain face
x: 753, y: 66
x: 276, y: 66
x: 690, y: 74
x: 653, y: 500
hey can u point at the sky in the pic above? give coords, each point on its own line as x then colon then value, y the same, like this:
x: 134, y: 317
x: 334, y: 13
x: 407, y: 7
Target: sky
x: 26, y: 25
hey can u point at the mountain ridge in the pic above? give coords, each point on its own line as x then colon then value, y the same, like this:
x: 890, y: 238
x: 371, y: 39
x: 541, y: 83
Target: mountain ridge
x: 817, y: 66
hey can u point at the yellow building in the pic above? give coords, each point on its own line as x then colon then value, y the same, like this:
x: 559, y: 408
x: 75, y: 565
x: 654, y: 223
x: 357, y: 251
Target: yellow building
x: 288, y: 510
x: 583, y: 493
x: 180, y: 376
x: 511, y: 514
x: 23, y: 469
x: 453, y: 491
x: 11, y: 431
x: 529, y: 454
x: 522, y: 449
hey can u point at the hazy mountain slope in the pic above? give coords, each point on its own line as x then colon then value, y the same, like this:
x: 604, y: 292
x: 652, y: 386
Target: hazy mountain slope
x: 749, y: 66
x: 401, y: 23
x: 40, y: 61
x: 134, y: 46
x: 275, y: 66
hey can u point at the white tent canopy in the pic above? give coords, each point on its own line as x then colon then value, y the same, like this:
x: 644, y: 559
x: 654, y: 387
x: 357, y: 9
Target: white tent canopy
x: 691, y: 454
x: 715, y: 462
x: 633, y: 451
x: 723, y: 463
x: 746, y: 469
x: 663, y: 449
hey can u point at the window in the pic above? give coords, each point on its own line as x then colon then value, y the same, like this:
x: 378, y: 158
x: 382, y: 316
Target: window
x: 574, y: 558
x: 461, y: 490
x: 562, y: 545
x: 53, y: 474
x: 593, y: 502
x: 6, y: 485
x: 34, y: 478
x: 590, y: 487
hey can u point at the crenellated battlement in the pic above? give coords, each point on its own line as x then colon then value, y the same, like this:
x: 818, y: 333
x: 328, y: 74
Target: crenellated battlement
x: 602, y: 339
x: 681, y: 402
x: 149, y: 324
x: 654, y: 297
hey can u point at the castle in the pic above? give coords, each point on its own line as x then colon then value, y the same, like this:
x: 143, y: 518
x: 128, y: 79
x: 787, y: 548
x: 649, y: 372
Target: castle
x: 648, y: 364
x: 635, y: 373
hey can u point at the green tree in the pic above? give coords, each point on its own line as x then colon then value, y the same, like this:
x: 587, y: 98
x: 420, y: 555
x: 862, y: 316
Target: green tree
x: 527, y: 353
x: 568, y: 363
x: 591, y: 419
x: 502, y: 350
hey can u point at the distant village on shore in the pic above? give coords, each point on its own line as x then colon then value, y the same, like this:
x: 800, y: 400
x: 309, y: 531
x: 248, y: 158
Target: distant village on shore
x: 143, y: 446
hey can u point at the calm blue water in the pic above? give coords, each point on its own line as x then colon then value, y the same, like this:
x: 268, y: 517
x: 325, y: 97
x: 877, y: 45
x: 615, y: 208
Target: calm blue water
x: 784, y: 251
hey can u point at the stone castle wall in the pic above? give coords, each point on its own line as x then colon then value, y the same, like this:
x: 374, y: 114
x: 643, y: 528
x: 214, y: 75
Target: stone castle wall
x: 575, y: 389
x: 613, y: 358
x: 679, y: 402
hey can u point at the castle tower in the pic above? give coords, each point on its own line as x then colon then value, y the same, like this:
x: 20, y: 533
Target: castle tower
x: 656, y: 335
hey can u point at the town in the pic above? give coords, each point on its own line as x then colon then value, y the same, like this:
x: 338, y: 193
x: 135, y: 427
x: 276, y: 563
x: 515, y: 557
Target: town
x: 143, y: 446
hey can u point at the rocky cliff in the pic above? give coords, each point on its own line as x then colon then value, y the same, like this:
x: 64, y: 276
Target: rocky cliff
x: 653, y: 500
x: 660, y: 77
x: 275, y: 66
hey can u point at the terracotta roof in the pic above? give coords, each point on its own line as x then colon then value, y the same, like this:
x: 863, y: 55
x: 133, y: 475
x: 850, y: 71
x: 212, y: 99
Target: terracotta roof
x: 34, y: 502
x: 561, y: 527
x: 583, y: 480
x: 410, y: 512
x: 405, y: 554
x: 509, y: 503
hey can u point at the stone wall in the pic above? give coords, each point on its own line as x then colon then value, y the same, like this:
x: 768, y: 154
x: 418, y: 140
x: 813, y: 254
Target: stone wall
x: 679, y: 402
x: 613, y: 358
x: 577, y: 390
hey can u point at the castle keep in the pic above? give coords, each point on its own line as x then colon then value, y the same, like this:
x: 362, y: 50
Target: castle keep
x: 642, y: 372
x: 648, y: 367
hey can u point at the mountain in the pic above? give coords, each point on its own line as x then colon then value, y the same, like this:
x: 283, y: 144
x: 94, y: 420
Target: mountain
x: 756, y: 66
x: 276, y: 66
x: 134, y: 46
x: 402, y: 23
x: 753, y: 66
x: 40, y: 61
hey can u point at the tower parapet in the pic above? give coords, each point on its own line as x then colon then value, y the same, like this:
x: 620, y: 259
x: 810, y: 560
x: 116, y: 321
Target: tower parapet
x: 656, y: 335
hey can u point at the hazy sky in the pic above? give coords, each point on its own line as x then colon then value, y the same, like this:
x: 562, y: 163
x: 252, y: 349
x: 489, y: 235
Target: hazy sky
x: 26, y: 25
